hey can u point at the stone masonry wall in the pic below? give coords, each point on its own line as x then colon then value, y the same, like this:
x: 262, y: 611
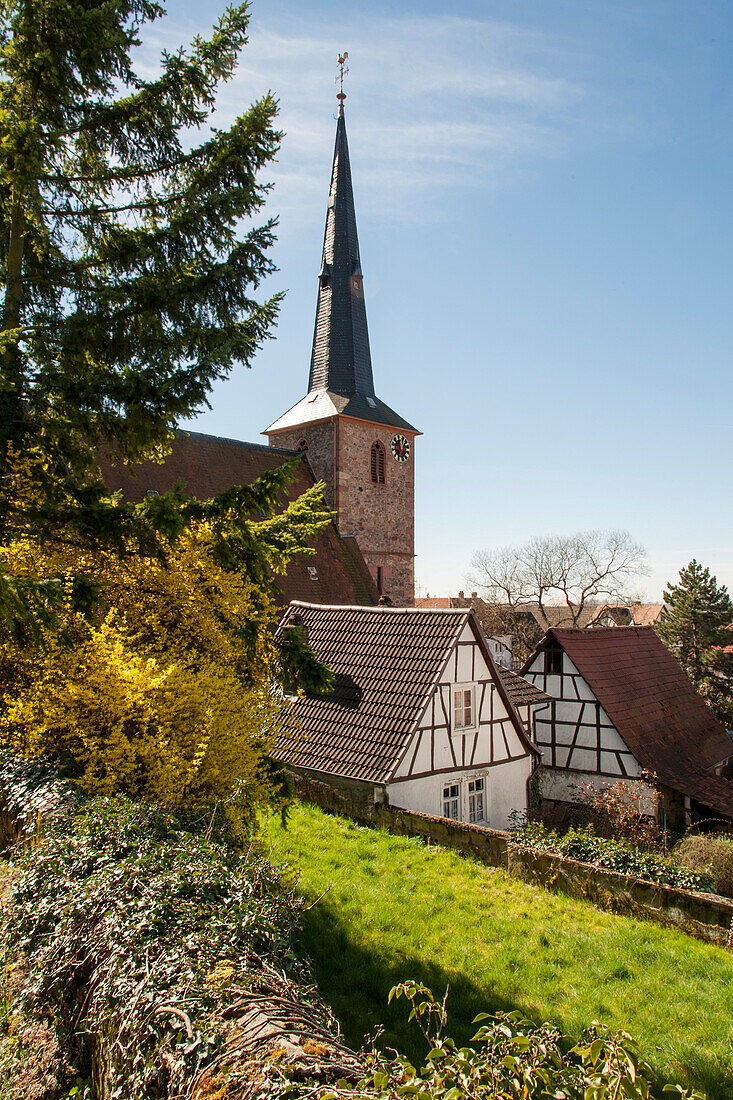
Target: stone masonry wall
x: 382, y: 517
x: 706, y: 916
x: 320, y: 452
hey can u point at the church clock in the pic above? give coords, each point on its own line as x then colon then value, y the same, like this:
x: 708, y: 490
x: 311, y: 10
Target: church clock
x: 400, y: 448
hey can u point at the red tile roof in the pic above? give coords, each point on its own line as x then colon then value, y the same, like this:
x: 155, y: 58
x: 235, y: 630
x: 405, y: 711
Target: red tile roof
x: 635, y: 614
x: 206, y: 465
x: 654, y: 707
x: 435, y: 602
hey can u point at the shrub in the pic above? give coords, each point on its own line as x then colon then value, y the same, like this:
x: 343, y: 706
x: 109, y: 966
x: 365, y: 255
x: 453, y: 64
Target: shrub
x: 162, y: 690
x: 130, y: 924
x: 509, y: 1059
x: 615, y: 814
x: 711, y: 854
x: 614, y: 855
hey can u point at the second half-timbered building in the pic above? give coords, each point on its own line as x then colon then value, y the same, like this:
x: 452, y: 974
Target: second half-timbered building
x: 622, y: 710
x: 419, y: 716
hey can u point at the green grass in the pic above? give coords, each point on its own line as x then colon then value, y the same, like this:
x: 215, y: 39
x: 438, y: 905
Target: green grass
x: 395, y: 908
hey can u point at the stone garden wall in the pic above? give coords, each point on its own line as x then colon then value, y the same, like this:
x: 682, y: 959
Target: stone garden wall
x: 706, y: 916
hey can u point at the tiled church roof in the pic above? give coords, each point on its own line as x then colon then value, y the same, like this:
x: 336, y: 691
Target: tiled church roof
x: 206, y: 465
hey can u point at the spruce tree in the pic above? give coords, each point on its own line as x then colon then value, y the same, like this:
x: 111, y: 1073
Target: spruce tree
x: 131, y: 259
x: 128, y: 290
x: 695, y: 627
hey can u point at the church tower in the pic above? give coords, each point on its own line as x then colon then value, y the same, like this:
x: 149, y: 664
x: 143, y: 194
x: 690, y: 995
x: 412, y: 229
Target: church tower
x: 355, y: 443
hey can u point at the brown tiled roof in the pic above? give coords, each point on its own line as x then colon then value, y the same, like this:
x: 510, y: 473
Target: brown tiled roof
x: 206, y: 465
x: 654, y: 707
x: 559, y: 615
x: 496, y: 617
x: 385, y: 661
x: 646, y: 614
x: 435, y: 602
x: 520, y: 691
x: 621, y: 615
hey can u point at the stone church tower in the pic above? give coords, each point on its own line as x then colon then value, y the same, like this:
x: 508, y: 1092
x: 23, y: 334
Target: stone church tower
x: 361, y: 448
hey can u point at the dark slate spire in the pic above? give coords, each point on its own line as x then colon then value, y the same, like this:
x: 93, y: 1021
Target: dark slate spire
x: 340, y: 361
x: 340, y: 381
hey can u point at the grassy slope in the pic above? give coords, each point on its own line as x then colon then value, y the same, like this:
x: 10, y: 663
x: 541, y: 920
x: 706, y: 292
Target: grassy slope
x: 395, y: 908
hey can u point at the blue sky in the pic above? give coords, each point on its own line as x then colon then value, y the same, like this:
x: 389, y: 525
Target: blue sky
x: 543, y: 195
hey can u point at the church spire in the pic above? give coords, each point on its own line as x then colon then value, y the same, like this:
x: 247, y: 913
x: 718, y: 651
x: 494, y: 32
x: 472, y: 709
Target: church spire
x: 340, y: 359
x: 340, y: 380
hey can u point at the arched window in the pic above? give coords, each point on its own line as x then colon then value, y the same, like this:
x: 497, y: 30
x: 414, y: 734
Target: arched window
x: 302, y: 446
x: 378, y: 463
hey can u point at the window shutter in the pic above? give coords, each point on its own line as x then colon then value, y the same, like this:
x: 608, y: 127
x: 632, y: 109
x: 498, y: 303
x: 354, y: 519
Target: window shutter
x: 377, y: 464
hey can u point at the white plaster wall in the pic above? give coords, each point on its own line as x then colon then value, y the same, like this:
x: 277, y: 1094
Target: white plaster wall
x: 506, y: 790
x: 566, y: 786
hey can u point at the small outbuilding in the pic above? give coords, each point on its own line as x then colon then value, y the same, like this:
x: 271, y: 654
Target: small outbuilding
x: 418, y: 717
x: 623, y: 709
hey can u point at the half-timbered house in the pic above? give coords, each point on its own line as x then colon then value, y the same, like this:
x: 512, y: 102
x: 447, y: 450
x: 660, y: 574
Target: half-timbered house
x: 623, y: 710
x: 419, y: 716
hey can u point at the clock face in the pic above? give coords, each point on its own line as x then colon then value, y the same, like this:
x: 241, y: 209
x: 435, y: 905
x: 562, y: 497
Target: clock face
x: 400, y: 447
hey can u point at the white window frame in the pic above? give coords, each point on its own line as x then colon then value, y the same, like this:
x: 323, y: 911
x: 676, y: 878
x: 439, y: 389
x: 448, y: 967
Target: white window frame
x: 449, y: 799
x: 479, y: 795
x: 466, y: 727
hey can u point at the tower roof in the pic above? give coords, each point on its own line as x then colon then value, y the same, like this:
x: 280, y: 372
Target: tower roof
x: 341, y: 365
x: 340, y: 360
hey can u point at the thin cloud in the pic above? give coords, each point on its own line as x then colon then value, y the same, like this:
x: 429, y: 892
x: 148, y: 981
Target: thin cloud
x: 437, y: 103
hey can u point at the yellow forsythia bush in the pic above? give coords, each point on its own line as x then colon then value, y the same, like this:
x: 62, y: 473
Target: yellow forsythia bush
x: 163, y: 690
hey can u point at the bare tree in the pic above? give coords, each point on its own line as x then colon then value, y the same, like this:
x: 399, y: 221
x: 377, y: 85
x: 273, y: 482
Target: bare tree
x: 572, y: 571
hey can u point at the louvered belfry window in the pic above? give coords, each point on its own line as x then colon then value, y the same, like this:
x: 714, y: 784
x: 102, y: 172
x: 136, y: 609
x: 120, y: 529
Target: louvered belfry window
x: 378, y: 466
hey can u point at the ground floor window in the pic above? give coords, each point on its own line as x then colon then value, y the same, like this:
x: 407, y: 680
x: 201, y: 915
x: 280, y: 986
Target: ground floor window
x: 476, y: 790
x: 452, y: 800
x: 465, y: 800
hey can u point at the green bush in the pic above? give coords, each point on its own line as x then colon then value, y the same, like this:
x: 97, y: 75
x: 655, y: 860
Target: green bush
x: 509, y: 1059
x: 713, y: 855
x: 615, y: 855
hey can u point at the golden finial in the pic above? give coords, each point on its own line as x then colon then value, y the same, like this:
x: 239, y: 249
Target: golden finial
x: 339, y: 78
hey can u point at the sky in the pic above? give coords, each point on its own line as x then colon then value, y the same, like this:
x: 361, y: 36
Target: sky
x: 543, y: 197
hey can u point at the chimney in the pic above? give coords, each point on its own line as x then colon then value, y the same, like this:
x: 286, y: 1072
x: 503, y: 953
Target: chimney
x: 461, y: 595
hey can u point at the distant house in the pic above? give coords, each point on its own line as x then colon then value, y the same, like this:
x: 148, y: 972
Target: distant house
x: 633, y: 614
x: 622, y: 706
x: 419, y: 716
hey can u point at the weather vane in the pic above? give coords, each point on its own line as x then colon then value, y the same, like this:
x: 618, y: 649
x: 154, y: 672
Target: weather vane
x: 339, y: 79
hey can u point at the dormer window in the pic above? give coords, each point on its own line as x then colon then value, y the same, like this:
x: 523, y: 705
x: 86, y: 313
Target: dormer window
x: 378, y: 464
